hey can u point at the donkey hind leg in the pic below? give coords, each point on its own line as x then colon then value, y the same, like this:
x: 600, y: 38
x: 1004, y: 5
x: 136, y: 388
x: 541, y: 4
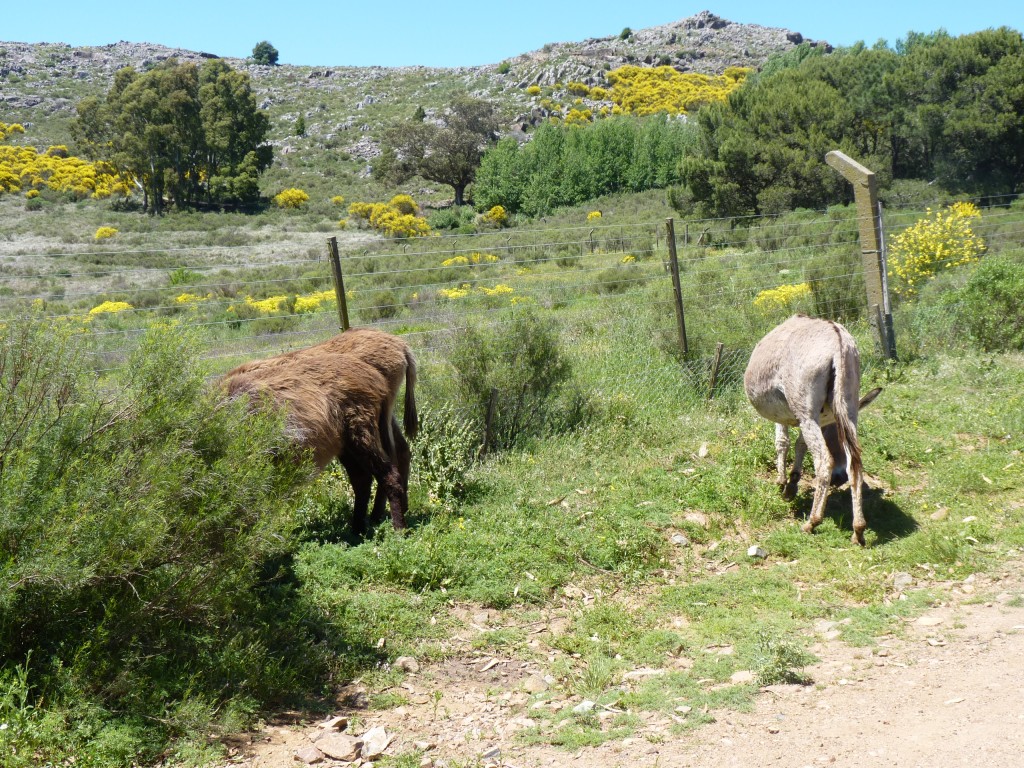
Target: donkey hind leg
x: 402, y: 457
x: 781, y: 454
x: 799, y: 452
x: 856, y: 471
x: 362, y: 481
x: 811, y: 433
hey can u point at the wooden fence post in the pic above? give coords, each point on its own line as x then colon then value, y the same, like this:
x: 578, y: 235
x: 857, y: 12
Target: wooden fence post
x: 865, y: 194
x: 715, y: 364
x: 492, y: 407
x: 339, y: 282
x: 677, y: 287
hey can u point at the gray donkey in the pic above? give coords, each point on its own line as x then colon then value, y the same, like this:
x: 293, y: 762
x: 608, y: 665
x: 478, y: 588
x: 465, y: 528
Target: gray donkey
x: 806, y: 373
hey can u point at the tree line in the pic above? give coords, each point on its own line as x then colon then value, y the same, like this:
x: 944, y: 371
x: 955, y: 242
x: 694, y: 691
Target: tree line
x: 938, y: 110
x: 180, y: 133
x: 943, y: 110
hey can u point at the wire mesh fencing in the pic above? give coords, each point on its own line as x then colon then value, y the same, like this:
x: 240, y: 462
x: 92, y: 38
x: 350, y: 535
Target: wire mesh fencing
x: 609, y: 286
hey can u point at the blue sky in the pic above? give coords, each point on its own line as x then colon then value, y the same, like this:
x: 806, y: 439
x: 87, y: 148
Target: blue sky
x: 458, y: 32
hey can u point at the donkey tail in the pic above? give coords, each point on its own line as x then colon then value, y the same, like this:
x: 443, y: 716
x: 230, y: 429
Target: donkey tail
x: 844, y: 409
x: 411, y: 420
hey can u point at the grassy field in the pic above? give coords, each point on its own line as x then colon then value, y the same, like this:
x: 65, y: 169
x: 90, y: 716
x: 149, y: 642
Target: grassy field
x: 629, y: 493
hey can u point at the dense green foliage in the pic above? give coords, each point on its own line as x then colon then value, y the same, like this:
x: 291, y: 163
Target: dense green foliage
x: 182, y: 132
x: 141, y: 532
x: 936, y: 108
x: 525, y: 363
x: 569, y: 165
x: 264, y: 53
x: 446, y: 152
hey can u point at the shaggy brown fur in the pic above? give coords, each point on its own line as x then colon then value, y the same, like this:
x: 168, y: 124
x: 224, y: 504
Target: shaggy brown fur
x: 393, y: 358
x: 336, y: 406
x: 805, y: 373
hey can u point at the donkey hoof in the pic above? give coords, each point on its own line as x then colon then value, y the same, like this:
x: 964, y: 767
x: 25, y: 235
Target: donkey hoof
x: 857, y: 538
x: 807, y: 528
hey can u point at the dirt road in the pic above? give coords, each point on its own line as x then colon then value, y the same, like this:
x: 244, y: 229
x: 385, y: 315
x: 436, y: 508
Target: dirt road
x: 948, y: 691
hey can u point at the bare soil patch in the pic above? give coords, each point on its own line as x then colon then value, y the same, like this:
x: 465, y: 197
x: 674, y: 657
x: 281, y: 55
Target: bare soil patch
x: 947, y: 690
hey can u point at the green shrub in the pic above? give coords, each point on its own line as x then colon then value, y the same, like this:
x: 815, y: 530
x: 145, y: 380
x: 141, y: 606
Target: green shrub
x: 990, y: 302
x: 142, y: 527
x: 445, y: 450
x: 525, y: 363
x: 618, y: 279
x: 451, y: 218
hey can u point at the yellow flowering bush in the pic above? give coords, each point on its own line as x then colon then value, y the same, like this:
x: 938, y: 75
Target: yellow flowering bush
x: 395, y: 218
x: 578, y: 116
x: 533, y: 90
x: 455, y: 293
x: 577, y: 88
x: 497, y: 290
x: 9, y: 130
x: 190, y: 298
x: 465, y: 290
x: 110, y: 307
x: 24, y: 168
x: 104, y: 232
x: 783, y: 297
x: 32, y: 194
x: 311, y: 302
x: 473, y: 258
x: 647, y: 90
x: 497, y: 216
x: 404, y: 204
x: 629, y: 259
x: 291, y: 198
x: 267, y: 306
x: 594, y: 216
x: 338, y: 200
x: 942, y: 238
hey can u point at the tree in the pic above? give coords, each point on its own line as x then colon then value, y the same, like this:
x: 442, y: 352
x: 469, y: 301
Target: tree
x: 962, y: 102
x: 264, y: 53
x: 762, y: 151
x: 446, y: 151
x: 183, y: 133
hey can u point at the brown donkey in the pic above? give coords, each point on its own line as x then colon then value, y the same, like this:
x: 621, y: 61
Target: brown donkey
x: 337, y: 407
x: 806, y: 373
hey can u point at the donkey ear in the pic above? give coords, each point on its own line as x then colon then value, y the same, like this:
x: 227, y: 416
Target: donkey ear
x: 869, y: 397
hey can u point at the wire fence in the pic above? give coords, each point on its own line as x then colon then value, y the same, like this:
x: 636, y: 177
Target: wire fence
x: 610, y: 285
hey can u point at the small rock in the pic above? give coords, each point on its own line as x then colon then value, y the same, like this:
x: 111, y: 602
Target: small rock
x: 375, y: 741
x: 424, y: 746
x: 741, y: 677
x: 338, y: 746
x: 638, y: 674
x: 491, y: 754
x: 684, y: 709
x: 756, y: 551
x: 697, y: 518
x: 535, y: 684
x: 703, y: 450
x: 929, y: 621
x: 901, y: 581
x: 680, y: 540
x: 481, y: 618
x: 308, y: 755
x: 583, y: 707
x: 426, y: 762
x: 407, y: 664
x: 940, y: 514
x: 339, y: 723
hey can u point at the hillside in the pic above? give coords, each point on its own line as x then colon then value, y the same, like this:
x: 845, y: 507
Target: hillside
x: 346, y: 107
